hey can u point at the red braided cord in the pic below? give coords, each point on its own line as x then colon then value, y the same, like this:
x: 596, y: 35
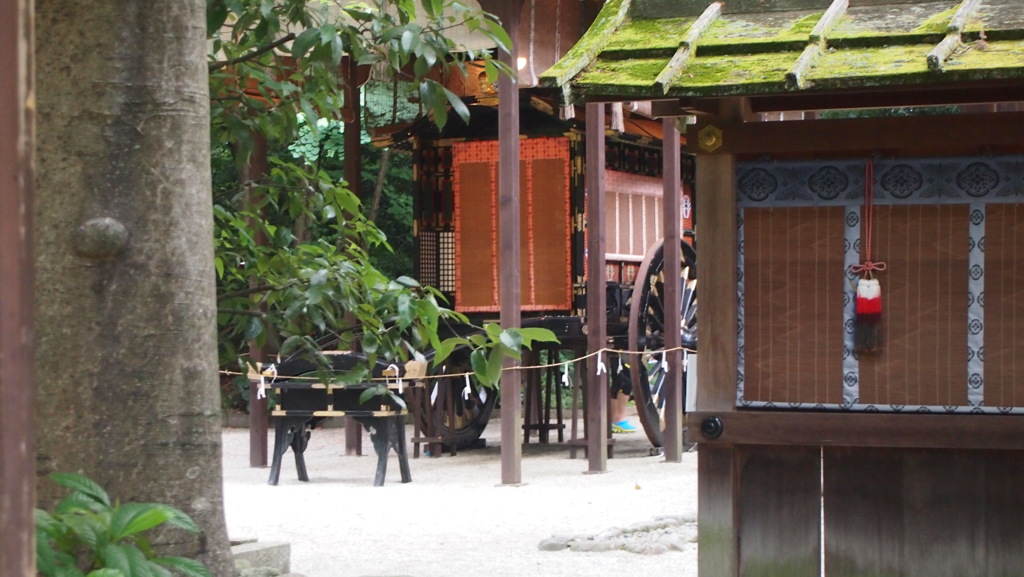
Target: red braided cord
x: 869, y: 212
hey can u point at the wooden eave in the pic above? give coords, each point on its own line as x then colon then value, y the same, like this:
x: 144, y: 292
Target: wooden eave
x: 798, y: 54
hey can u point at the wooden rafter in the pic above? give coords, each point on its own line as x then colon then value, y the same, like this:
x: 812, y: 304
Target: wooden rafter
x: 687, y: 47
x: 953, y: 40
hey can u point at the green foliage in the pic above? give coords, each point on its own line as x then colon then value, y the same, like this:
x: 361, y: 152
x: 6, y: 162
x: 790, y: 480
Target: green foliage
x: 262, y: 76
x: 491, y: 346
x: 293, y: 247
x: 89, y: 536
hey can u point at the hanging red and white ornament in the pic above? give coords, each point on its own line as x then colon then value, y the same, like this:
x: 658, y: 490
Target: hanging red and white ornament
x: 868, y: 303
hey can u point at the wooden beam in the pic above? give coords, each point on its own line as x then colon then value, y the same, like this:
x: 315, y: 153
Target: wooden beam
x: 597, y: 331
x: 974, y: 132
x: 509, y: 251
x: 894, y: 97
x: 671, y: 198
x: 17, y: 372
x: 849, y: 429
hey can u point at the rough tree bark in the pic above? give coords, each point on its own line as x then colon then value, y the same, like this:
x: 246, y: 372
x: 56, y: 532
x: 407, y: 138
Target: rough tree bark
x: 126, y: 350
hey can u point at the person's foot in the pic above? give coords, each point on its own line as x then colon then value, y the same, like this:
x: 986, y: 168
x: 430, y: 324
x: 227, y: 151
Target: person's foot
x: 623, y: 426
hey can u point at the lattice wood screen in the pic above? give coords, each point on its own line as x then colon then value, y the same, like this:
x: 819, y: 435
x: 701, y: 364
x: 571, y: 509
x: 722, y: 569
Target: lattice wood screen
x: 544, y: 225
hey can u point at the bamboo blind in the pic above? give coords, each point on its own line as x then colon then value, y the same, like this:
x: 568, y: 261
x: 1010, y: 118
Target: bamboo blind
x: 923, y: 361
x: 544, y: 225
x: 793, y: 300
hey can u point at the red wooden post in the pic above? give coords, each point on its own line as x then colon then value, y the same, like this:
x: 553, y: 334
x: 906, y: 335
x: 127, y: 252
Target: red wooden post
x: 17, y: 382
x: 671, y: 176
x: 597, y: 331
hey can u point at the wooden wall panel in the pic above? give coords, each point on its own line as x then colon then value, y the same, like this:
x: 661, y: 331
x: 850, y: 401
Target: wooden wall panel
x: 793, y: 305
x: 780, y: 511
x: 907, y: 513
x: 863, y: 512
x: 923, y: 357
x: 1004, y: 305
x: 1003, y: 520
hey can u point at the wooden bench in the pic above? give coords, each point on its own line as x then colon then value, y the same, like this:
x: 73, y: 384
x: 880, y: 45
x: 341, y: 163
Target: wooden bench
x: 301, y: 404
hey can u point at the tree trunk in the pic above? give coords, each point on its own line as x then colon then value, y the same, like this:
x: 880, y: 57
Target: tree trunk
x: 126, y: 349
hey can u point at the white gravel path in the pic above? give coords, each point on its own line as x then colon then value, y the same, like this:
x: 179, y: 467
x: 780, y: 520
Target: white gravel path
x: 456, y: 518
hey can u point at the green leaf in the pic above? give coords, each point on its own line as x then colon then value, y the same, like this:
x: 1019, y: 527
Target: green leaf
x: 216, y: 14
x: 371, y: 392
x: 498, y: 34
x: 407, y: 282
x: 304, y: 41
x: 184, y: 566
x: 408, y: 41
x: 132, y: 518
x: 444, y: 349
x: 495, y: 360
x: 536, y: 334
x: 82, y: 484
x: 478, y: 360
x: 457, y: 105
x: 493, y: 331
x: 370, y: 344
x: 405, y: 311
x: 512, y: 339
x: 127, y: 559
x: 253, y: 329
x: 106, y: 572
x: 77, y: 502
x: 89, y: 529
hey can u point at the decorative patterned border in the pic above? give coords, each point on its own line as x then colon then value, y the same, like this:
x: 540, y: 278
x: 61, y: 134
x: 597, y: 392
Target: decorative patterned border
x: 976, y: 307
x: 954, y: 180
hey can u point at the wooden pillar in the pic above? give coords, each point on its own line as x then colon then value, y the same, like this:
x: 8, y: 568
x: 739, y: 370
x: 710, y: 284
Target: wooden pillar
x: 508, y: 250
x: 17, y: 379
x: 255, y: 169
x: 353, y: 176
x: 671, y: 197
x: 597, y: 331
x: 717, y: 467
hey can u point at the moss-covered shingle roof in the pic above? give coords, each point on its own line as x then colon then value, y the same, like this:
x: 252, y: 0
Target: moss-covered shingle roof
x: 658, y: 49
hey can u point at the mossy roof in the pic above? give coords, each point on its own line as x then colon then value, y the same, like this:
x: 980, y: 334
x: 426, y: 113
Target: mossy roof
x: 656, y: 49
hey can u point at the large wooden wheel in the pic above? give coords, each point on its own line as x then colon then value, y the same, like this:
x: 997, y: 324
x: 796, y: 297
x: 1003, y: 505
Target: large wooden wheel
x: 456, y: 415
x: 646, y: 333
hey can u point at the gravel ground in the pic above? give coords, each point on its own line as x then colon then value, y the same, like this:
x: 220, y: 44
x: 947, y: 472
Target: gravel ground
x: 455, y: 517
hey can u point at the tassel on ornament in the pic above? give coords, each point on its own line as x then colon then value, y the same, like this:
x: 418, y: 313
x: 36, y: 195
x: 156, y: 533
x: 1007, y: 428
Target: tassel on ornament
x: 868, y: 309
